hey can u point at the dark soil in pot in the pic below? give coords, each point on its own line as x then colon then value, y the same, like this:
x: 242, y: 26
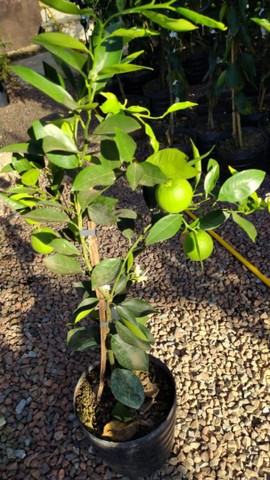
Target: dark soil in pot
x: 146, y: 440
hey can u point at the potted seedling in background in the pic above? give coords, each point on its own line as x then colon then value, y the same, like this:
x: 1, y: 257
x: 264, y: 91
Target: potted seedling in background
x: 126, y: 403
x: 248, y: 147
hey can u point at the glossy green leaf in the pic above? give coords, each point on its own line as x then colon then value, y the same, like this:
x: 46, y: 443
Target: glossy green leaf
x: 63, y: 6
x: 93, y: 176
x: 84, y: 308
x: 63, y: 246
x: 24, y: 199
x: 241, y: 185
x: 67, y: 161
x: 164, y: 228
x: 86, y: 197
x: 173, y: 163
x: 61, y: 40
x: 118, y: 121
x: 47, y: 215
x: 175, y: 24
x: 211, y: 177
x: 81, y: 338
x: 16, y: 148
x: 138, y: 307
x: 112, y: 104
x: 128, y: 356
x: 15, y: 205
x: 127, y: 388
x: 246, y: 225
x: 175, y: 107
x: 262, y: 22
x: 136, y: 328
x: 30, y: 177
x: 214, y: 219
x: 105, y: 272
x: 200, y: 19
x: 57, y: 139
x: 126, y: 146
x: 62, y: 264
x: 133, y: 32
x: 56, y: 92
x: 129, y: 337
x: 144, y: 174
x: 120, y: 68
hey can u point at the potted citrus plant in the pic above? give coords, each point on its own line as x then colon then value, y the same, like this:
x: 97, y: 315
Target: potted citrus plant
x: 126, y: 403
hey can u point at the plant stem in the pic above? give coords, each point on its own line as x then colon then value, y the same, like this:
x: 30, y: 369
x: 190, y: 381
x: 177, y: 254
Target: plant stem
x: 103, y: 317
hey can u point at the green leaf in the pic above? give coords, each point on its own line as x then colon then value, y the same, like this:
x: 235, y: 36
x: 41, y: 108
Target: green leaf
x: 175, y: 24
x: 86, y: 197
x: 127, y: 388
x: 16, y: 148
x: 241, y: 185
x: 138, y: 307
x: 57, y: 140
x: 61, y: 40
x: 144, y: 174
x: 119, y: 121
x: 102, y: 211
x: 214, y: 219
x: 164, y: 228
x: 211, y: 177
x: 93, y: 176
x: 30, y: 177
x: 63, y: 6
x: 201, y: 19
x: 233, y: 77
x: 122, y: 413
x: 84, y: 308
x: 122, y: 68
x: 47, y: 215
x: 175, y: 107
x: 133, y: 32
x: 74, y: 59
x: 61, y: 245
x: 64, y: 160
x: 11, y: 203
x: 129, y: 337
x: 128, y: 356
x: 246, y: 225
x: 173, y: 163
x: 81, y: 338
x: 112, y: 104
x: 262, y: 22
x: 105, y: 272
x: 62, y: 264
x: 126, y: 146
x: 56, y: 92
x: 107, y: 53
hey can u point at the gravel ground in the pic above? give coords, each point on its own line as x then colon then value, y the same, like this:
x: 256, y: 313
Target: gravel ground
x: 213, y: 330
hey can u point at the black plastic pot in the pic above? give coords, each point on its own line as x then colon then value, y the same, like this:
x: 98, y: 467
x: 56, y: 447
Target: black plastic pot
x: 246, y: 158
x: 135, y: 81
x: 158, y: 96
x: 195, y: 67
x: 144, y: 455
x: 208, y: 139
x: 4, y: 101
